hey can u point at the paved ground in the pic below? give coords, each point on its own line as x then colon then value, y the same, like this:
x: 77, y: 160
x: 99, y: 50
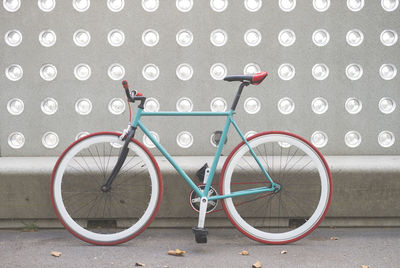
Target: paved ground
x: 354, y: 247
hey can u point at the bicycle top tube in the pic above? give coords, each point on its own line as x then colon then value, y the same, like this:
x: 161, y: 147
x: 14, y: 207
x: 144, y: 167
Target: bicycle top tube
x: 197, y: 113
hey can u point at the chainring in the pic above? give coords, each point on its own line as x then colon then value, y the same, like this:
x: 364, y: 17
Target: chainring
x: 194, y: 199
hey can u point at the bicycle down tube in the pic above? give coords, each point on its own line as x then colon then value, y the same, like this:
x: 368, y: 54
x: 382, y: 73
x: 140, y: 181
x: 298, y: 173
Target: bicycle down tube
x: 137, y: 123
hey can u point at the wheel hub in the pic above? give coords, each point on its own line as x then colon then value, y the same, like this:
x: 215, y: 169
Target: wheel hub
x: 105, y: 188
x: 277, y: 187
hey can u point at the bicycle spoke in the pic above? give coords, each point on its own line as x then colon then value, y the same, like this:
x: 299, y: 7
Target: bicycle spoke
x: 269, y: 170
x: 74, y: 212
x: 88, y: 174
x: 127, y: 170
x: 108, y: 160
x: 126, y: 163
x: 252, y: 168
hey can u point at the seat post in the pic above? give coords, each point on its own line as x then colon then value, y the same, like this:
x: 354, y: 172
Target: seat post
x: 239, y: 92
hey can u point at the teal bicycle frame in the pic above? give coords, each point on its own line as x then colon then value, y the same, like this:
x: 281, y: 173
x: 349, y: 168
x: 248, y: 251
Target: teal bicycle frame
x: 138, y: 123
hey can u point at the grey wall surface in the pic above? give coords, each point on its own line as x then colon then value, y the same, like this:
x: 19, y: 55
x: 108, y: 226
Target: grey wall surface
x: 201, y: 20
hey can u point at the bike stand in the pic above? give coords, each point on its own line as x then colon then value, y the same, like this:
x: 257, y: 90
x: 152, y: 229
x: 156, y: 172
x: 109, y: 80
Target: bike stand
x: 200, y: 234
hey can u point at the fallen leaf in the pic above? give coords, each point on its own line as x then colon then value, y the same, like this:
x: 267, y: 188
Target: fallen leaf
x: 140, y: 264
x: 56, y: 253
x: 283, y: 252
x: 176, y: 252
x: 365, y: 266
x: 334, y: 238
x: 244, y: 252
x: 257, y: 265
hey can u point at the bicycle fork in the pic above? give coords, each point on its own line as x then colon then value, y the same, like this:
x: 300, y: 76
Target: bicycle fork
x: 121, y: 159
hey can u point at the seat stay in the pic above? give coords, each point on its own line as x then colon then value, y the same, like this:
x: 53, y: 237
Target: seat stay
x: 266, y: 174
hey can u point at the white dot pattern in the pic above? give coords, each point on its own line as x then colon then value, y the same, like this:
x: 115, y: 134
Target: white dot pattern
x: 218, y: 51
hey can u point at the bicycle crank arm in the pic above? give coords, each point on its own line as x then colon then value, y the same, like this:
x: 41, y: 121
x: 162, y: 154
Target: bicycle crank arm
x: 121, y: 159
x: 200, y: 232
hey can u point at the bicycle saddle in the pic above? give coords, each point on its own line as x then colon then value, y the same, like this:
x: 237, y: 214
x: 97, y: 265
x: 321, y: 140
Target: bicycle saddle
x: 254, y: 79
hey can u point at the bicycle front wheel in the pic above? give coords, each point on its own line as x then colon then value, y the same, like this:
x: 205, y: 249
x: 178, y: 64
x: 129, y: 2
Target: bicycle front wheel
x: 105, y: 217
x: 290, y: 212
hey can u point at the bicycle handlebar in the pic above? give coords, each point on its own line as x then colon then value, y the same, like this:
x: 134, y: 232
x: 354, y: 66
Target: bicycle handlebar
x: 133, y: 95
x: 130, y: 94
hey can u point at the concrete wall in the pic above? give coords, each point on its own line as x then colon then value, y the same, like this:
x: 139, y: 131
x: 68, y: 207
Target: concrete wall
x: 366, y: 192
x: 201, y: 20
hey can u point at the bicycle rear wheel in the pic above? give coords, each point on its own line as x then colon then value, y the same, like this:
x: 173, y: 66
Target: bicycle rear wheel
x: 301, y: 203
x: 105, y: 217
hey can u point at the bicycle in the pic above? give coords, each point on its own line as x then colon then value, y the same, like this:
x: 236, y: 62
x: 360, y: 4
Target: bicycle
x: 275, y: 187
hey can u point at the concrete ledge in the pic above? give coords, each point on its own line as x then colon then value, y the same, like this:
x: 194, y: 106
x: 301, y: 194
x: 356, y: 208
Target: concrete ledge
x: 366, y: 192
x: 211, y: 222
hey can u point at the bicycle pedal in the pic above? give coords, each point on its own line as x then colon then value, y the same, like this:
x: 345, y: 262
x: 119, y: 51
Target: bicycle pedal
x: 200, y: 173
x: 200, y: 234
